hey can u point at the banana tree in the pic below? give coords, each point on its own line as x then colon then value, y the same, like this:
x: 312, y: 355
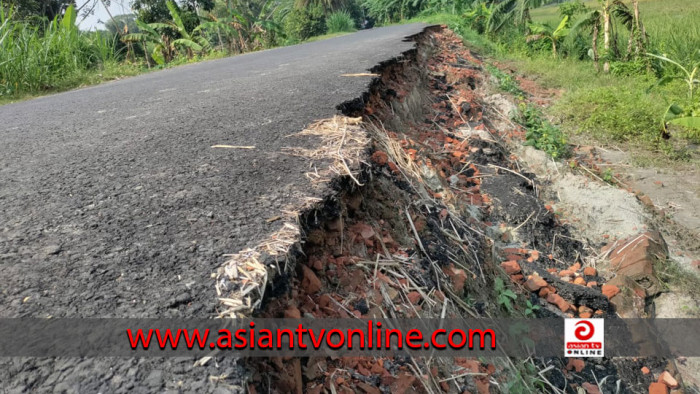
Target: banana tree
x: 478, y: 17
x: 191, y: 42
x: 157, y: 38
x: 224, y: 30
x: 688, y: 117
x: 516, y: 12
x: 254, y: 23
x: 602, y: 20
x: 544, y: 32
x: 158, y: 44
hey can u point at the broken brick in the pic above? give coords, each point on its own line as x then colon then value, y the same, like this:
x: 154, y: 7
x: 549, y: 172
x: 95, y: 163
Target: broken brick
x: 610, y: 291
x: 403, y: 384
x: 379, y: 158
x: 566, y: 273
x: 575, y: 364
x: 658, y: 388
x: 292, y: 313
x: 557, y: 300
x: 590, y: 388
x: 511, y: 267
x: 458, y: 278
x: 310, y: 282
x: 668, y: 379
x: 414, y: 297
x: 590, y: 271
x: 534, y: 283
x: 635, y: 258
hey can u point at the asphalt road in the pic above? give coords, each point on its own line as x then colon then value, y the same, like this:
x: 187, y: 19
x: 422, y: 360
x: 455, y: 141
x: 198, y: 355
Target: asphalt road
x: 114, y: 204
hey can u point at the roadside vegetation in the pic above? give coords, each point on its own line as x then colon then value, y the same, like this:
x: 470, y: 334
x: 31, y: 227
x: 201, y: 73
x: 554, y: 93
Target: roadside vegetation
x: 42, y: 50
x: 628, y: 70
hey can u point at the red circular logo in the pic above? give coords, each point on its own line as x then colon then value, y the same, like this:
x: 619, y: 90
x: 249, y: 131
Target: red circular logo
x: 584, y: 330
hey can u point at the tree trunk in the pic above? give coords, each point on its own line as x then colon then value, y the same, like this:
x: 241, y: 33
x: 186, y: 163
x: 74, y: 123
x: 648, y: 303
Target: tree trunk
x: 639, y: 30
x: 595, y: 47
x: 606, y: 36
x: 554, y: 48
x: 145, y: 53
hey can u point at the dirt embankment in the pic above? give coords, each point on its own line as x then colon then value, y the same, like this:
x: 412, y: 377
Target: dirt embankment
x: 430, y: 210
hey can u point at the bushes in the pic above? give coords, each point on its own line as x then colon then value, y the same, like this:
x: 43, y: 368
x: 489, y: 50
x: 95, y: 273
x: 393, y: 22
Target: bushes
x: 622, y: 112
x: 542, y: 134
x: 303, y: 23
x: 340, y: 21
x: 34, y: 59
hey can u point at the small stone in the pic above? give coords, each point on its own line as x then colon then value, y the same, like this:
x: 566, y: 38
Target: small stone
x: 610, y: 291
x: 668, y: 379
x: 645, y: 371
x: 575, y: 267
x: 590, y: 271
x: 52, y: 249
x: 154, y: 380
x: 584, y: 309
x: 580, y: 281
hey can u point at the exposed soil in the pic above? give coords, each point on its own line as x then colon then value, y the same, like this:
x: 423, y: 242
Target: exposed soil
x: 444, y: 208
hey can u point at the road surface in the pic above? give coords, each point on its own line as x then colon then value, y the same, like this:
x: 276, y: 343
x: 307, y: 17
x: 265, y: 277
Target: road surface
x: 113, y: 202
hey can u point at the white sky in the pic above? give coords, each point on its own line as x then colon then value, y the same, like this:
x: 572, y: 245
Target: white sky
x: 117, y: 7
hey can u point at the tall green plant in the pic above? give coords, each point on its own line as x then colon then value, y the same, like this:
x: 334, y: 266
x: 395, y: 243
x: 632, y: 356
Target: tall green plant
x: 339, y: 22
x: 163, y: 40
x: 389, y: 11
x: 512, y: 12
x: 545, y: 32
x: 689, y: 116
x: 35, y: 58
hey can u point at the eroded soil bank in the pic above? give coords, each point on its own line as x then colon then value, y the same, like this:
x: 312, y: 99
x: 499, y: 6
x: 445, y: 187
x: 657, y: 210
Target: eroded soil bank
x: 438, y: 220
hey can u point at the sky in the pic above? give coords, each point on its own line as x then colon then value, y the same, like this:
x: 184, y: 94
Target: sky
x: 92, y: 22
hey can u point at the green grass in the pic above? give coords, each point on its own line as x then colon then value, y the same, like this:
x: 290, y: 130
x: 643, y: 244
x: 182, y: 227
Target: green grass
x: 610, y: 108
x: 35, y: 60
x: 326, y: 36
x: 671, y: 24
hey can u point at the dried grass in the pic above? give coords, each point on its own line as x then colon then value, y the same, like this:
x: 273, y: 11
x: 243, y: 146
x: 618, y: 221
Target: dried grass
x: 343, y: 141
x: 241, y: 281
